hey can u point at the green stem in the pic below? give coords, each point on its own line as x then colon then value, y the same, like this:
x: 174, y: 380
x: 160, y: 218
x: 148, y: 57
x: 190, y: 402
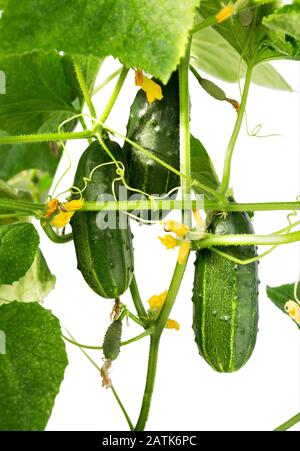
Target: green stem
x: 30, y: 207
x: 114, y: 95
x: 58, y: 239
x: 84, y: 89
x: 289, y: 423
x: 170, y: 299
x: 185, y: 169
x: 106, y: 81
x: 136, y: 297
x: 84, y: 126
x: 149, y: 387
x: 185, y: 151
x: 228, y: 158
x: 247, y: 240
x: 194, y: 204
x: 136, y: 319
x: 45, y: 137
x: 129, y: 422
x: 204, y: 24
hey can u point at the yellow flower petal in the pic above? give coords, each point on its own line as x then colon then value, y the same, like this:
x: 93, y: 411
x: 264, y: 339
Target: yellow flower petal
x: 169, y: 241
x: 52, y: 207
x: 225, y: 13
x: 73, y: 205
x: 62, y: 219
x: 172, y: 324
x: 183, y: 252
x: 152, y: 89
x: 293, y: 309
x: 176, y: 227
x: 157, y: 301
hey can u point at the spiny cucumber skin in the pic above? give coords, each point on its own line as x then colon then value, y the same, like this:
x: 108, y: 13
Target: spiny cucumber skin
x: 155, y: 127
x: 225, y: 299
x: 104, y: 257
x: 112, y: 340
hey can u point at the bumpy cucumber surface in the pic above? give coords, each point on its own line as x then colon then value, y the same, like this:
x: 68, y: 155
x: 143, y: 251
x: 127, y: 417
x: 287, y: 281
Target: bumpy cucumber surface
x: 225, y: 299
x: 155, y: 127
x: 104, y: 256
x: 112, y: 340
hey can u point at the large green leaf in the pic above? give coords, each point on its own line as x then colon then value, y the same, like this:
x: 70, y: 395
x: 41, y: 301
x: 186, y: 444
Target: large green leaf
x: 32, y: 368
x: 202, y: 167
x: 38, y: 96
x: 215, y: 56
x: 150, y: 34
x: 246, y: 33
x: 280, y: 295
x: 34, y: 286
x: 286, y: 19
x: 18, y: 247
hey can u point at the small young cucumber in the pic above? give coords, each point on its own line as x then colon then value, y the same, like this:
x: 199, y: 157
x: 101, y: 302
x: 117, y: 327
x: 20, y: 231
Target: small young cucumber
x: 104, y: 255
x: 112, y: 340
x: 155, y: 127
x: 225, y: 298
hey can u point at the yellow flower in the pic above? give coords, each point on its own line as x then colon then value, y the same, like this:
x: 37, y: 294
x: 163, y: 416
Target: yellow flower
x: 72, y: 205
x: 153, y: 90
x: 225, y: 13
x: 66, y: 211
x: 183, y: 252
x: 172, y: 324
x: 157, y: 301
x: 293, y: 309
x: 176, y: 227
x: 169, y: 241
x: 52, y: 207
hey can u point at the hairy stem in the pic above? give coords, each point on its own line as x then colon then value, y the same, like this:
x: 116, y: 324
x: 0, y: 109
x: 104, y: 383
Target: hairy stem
x: 185, y: 151
x: 149, y: 387
x: 228, y: 158
x: 247, y: 240
x: 30, y: 207
x: 106, y: 81
x: 136, y: 297
x: 84, y: 89
x: 45, y: 137
x: 114, y: 95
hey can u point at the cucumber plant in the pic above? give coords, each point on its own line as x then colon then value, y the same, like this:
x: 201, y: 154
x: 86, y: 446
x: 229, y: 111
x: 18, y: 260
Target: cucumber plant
x: 46, y: 80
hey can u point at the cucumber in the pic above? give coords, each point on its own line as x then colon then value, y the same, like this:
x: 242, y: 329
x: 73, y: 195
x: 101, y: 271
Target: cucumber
x: 112, y: 340
x: 154, y: 127
x: 225, y: 298
x: 104, y: 256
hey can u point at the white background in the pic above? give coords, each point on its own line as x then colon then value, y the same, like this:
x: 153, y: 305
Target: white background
x: 189, y: 395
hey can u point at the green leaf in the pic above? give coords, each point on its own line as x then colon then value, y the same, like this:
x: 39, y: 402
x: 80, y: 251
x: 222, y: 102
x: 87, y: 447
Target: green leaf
x: 34, y: 286
x: 280, y: 295
x: 247, y: 34
x: 285, y: 19
x: 38, y: 97
x: 215, y: 56
x: 202, y: 167
x: 18, y: 246
x: 32, y: 369
x: 18, y: 157
x: 149, y: 34
x: 9, y: 192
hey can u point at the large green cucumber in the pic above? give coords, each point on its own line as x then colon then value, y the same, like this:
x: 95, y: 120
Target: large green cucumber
x: 154, y: 127
x: 104, y: 255
x: 225, y: 299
